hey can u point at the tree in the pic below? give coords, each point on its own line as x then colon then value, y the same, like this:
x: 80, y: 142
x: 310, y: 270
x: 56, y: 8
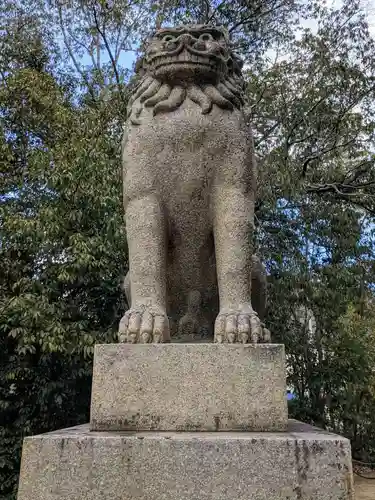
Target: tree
x: 62, y: 243
x: 313, y: 115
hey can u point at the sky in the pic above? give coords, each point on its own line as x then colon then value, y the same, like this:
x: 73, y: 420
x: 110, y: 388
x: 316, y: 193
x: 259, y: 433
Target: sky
x: 127, y: 59
x: 369, y: 6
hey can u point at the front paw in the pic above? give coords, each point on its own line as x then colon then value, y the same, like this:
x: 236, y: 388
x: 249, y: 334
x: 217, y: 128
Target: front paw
x: 144, y: 325
x: 241, y: 325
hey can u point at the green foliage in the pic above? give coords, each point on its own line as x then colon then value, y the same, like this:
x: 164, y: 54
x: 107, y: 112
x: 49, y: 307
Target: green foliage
x: 351, y: 397
x: 62, y: 249
x: 63, y: 93
x: 334, y: 378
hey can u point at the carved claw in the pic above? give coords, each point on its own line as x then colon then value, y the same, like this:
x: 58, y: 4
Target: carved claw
x: 254, y: 338
x: 244, y: 338
x: 255, y: 328
x: 240, y: 326
x: 132, y: 338
x: 146, y: 338
x: 158, y: 338
x: 231, y: 338
x: 123, y: 329
x: 144, y: 325
x: 266, y: 334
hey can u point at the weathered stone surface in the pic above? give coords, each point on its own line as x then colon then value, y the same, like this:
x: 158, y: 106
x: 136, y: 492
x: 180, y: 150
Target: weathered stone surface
x: 189, y: 189
x: 75, y: 464
x: 189, y: 387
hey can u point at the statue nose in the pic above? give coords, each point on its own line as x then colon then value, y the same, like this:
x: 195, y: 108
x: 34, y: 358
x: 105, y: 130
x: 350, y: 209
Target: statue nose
x: 186, y: 39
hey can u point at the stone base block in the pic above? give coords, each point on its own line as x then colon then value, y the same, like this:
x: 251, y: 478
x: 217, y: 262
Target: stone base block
x: 76, y: 464
x: 189, y: 387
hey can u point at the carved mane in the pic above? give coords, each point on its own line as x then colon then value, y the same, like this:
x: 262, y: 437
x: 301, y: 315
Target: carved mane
x: 162, y: 97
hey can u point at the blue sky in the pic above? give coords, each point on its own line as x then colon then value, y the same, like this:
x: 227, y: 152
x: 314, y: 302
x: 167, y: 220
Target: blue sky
x: 127, y: 58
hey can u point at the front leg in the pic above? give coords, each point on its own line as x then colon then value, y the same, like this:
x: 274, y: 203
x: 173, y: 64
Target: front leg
x: 146, y: 320
x: 233, y: 214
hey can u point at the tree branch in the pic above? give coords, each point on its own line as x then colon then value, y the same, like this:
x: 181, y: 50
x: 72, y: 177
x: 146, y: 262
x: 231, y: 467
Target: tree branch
x: 359, y: 170
x: 74, y: 60
x: 324, y: 152
x: 246, y: 19
x: 113, y: 62
x: 336, y: 190
x: 267, y: 134
x: 298, y: 122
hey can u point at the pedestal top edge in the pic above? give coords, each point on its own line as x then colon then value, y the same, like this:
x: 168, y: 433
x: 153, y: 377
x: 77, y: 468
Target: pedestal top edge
x: 296, y: 431
x: 198, y: 345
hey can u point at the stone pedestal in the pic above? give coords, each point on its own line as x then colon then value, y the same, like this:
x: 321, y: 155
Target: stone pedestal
x: 189, y: 387
x: 151, y: 397
x: 76, y: 464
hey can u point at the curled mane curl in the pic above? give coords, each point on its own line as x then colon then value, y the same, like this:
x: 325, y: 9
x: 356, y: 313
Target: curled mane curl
x: 163, y: 98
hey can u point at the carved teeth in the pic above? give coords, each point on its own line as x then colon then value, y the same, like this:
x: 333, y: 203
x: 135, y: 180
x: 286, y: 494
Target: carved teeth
x: 161, y: 59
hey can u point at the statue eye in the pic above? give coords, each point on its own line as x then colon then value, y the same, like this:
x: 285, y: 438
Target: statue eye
x: 206, y: 37
x: 168, y: 38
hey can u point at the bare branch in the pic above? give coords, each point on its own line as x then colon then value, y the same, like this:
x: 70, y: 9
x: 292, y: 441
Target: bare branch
x: 299, y: 122
x: 71, y: 54
x: 113, y: 61
x: 338, y: 190
x: 324, y: 152
x: 359, y: 171
x: 267, y: 134
x: 247, y: 19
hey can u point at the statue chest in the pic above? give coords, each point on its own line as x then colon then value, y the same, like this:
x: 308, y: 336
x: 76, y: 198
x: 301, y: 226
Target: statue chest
x: 185, y: 151
x: 186, y: 130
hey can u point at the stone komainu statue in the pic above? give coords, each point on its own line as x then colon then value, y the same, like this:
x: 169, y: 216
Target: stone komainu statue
x: 189, y: 187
